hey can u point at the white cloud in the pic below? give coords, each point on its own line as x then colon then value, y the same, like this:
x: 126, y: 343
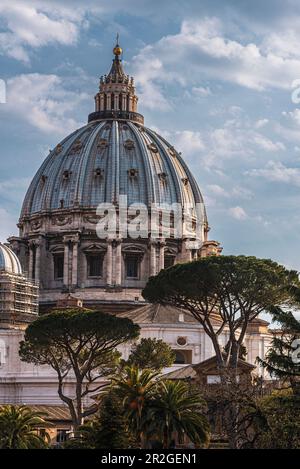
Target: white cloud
x: 29, y: 26
x: 206, y: 51
x: 267, y: 144
x: 7, y: 225
x: 293, y: 117
x: 146, y: 74
x: 201, y: 91
x: 218, y: 190
x: 238, y: 213
x: 44, y: 101
x: 285, y: 42
x: 237, y: 139
x: 277, y: 171
x: 234, y: 192
x: 13, y: 189
x: 188, y: 141
x: 242, y: 193
x: 261, y: 123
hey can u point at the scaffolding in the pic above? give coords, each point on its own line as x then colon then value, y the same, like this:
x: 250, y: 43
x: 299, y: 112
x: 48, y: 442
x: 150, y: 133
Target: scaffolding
x: 19, y: 297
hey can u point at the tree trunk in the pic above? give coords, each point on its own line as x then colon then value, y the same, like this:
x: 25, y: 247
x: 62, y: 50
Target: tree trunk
x: 79, y: 406
x: 234, y: 358
x: 166, y: 442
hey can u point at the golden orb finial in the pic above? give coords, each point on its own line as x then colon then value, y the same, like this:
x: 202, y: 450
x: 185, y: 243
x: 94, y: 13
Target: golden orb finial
x: 117, y: 49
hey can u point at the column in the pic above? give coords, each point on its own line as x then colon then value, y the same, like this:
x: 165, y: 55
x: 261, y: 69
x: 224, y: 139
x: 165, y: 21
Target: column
x: 130, y: 104
x: 152, y: 257
x: 118, y: 262
x: 108, y: 102
x: 66, y: 263
x: 161, y: 255
x: 101, y: 102
x: 116, y: 106
x: 134, y: 104
x: 30, y: 262
x: 186, y: 251
x: 75, y: 263
x: 109, y: 255
x: 97, y: 103
x: 37, y: 261
x: 124, y: 102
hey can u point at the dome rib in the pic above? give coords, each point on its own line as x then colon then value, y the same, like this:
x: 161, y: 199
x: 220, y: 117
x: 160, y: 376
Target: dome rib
x: 116, y: 162
x: 146, y: 165
x: 168, y: 164
x: 83, y: 171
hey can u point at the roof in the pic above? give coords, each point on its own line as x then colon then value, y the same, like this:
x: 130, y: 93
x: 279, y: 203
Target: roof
x: 9, y: 261
x: 107, y: 159
x: 186, y: 372
x: 52, y: 413
x: 158, y: 314
x: 191, y: 371
x: 212, y: 360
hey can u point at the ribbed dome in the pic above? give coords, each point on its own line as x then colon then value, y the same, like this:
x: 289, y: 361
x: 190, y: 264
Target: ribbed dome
x: 106, y: 159
x: 9, y: 261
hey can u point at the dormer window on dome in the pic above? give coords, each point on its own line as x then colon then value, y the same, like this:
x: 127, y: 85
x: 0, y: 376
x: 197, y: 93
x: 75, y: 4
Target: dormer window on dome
x: 102, y: 143
x: 98, y: 172
x: 129, y: 144
x: 152, y: 147
x: 133, y: 173
x: 66, y: 174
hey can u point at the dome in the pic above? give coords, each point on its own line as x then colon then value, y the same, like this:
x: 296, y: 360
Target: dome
x: 113, y: 155
x: 68, y: 244
x: 9, y: 261
x: 108, y: 158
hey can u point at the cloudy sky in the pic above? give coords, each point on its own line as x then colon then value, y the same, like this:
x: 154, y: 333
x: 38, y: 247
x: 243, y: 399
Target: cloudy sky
x: 216, y: 77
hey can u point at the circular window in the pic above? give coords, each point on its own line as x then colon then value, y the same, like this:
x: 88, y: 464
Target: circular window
x: 181, y: 341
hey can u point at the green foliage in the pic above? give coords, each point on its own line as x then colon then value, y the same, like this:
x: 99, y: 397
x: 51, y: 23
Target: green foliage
x: 77, y: 330
x: 175, y: 409
x: 79, y: 343
x: 114, y: 432
x: 280, y: 358
x: 155, y: 409
x: 134, y: 387
x: 251, y: 277
x: 280, y: 426
x: 150, y: 353
x: 18, y: 428
x: 237, y: 288
x: 108, y: 430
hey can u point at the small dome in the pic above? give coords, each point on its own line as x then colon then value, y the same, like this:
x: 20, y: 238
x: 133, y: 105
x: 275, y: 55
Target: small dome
x: 9, y: 261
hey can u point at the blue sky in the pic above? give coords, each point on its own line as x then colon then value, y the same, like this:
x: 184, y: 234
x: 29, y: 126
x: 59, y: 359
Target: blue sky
x: 214, y: 77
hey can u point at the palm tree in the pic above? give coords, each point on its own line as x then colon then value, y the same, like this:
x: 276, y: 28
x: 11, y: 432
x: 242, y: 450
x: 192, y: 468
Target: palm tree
x: 176, y: 410
x: 136, y: 387
x: 18, y: 428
